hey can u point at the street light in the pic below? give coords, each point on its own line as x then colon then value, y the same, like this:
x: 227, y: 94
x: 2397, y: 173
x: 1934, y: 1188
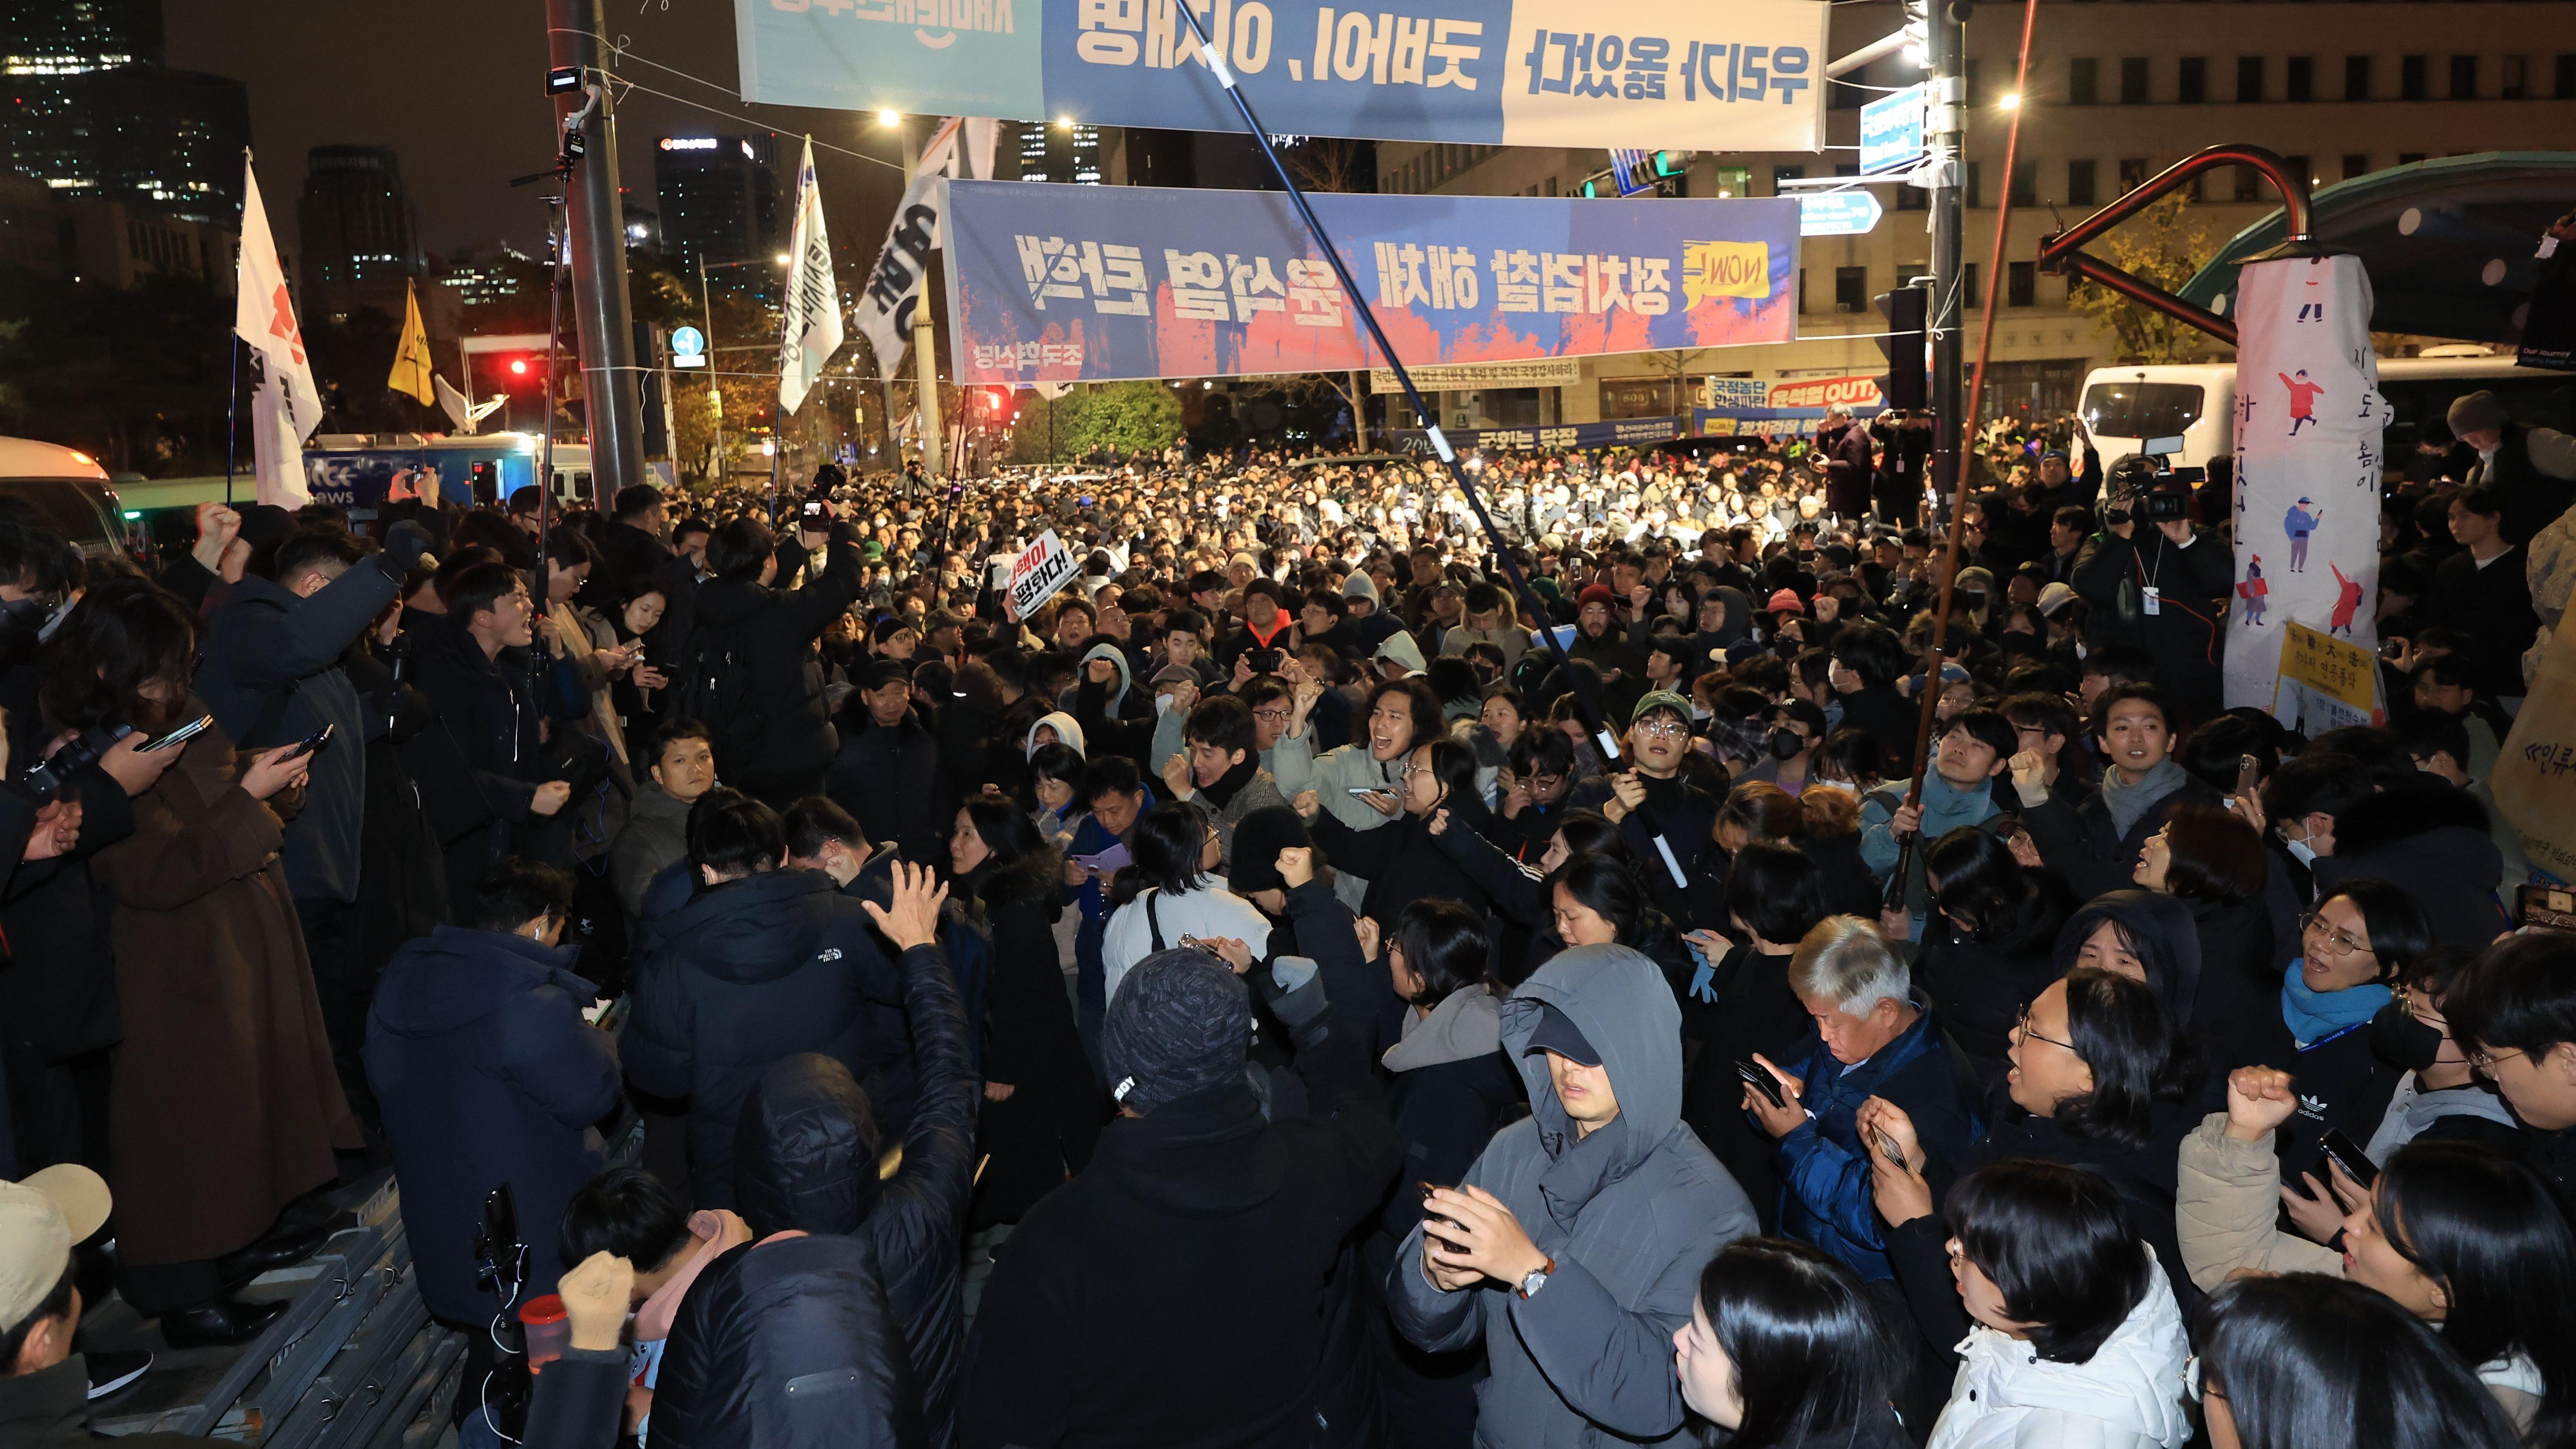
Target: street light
x: 1064, y: 123
x: 781, y: 259
x: 889, y: 118
x: 2008, y: 101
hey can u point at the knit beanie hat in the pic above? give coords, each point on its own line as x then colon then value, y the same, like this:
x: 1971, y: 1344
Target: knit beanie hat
x: 1180, y: 1024
x: 1597, y: 594
x: 2479, y: 410
x: 1258, y: 839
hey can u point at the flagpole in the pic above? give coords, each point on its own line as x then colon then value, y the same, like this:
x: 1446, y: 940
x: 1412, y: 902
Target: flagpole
x: 232, y: 420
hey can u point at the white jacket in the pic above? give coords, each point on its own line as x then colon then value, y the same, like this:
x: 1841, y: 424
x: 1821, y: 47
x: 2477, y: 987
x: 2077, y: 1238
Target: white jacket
x: 1209, y: 912
x: 2129, y: 1395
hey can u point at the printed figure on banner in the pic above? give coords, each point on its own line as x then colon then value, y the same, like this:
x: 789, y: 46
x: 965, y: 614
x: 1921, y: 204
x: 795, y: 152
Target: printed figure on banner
x: 2347, y: 603
x: 2299, y: 524
x: 2303, y: 400
x: 2252, y: 591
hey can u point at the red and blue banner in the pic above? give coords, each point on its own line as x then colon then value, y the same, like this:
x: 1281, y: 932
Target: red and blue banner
x: 1091, y: 284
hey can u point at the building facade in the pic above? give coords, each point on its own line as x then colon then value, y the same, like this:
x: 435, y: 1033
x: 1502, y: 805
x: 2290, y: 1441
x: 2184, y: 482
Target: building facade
x: 2116, y: 92
x: 720, y: 202
x: 92, y: 110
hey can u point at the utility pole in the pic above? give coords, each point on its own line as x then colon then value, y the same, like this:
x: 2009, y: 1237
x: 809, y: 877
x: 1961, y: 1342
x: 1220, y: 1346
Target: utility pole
x: 596, y: 232
x: 925, y: 356
x: 1945, y: 122
x: 715, y: 385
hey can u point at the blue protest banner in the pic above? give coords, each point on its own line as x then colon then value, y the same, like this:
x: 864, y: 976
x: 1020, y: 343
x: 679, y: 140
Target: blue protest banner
x: 1090, y: 283
x: 1748, y: 76
x: 1891, y: 131
x: 1837, y: 213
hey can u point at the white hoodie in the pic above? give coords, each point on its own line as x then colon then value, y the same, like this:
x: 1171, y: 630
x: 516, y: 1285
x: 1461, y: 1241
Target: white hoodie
x: 2129, y: 1395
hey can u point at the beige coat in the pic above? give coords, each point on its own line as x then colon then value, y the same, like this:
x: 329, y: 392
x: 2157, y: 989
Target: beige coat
x: 2227, y: 1197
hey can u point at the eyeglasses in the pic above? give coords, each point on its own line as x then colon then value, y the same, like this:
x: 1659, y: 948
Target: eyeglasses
x: 1664, y: 729
x: 2343, y: 943
x: 2022, y: 1025
x: 1271, y: 714
x: 2485, y: 1060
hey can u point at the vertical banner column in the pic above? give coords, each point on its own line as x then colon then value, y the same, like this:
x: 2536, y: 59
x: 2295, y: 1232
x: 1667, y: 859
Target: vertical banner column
x: 2308, y: 424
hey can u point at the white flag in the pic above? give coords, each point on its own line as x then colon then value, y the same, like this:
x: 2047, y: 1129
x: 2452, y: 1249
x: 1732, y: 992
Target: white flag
x: 981, y: 135
x: 277, y: 451
x: 939, y: 153
x: 264, y: 314
x: 812, y: 331
x: 894, y: 287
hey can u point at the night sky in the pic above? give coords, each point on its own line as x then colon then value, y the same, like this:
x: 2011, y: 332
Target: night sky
x: 457, y: 88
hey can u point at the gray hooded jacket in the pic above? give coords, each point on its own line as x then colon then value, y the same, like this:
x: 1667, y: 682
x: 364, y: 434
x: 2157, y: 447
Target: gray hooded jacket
x: 1631, y: 1214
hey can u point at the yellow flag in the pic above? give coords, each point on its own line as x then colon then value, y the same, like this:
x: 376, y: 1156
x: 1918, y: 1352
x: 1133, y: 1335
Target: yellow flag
x: 411, y: 355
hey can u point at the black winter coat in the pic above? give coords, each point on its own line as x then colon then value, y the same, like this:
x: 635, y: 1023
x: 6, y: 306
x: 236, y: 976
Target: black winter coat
x: 1119, y: 1312
x: 788, y: 1344
x: 888, y: 779
x: 746, y: 974
x: 1756, y: 1012
x: 492, y: 717
x: 2236, y: 1013
x: 1980, y: 988
x: 486, y: 1074
x: 2112, y: 574
x: 2430, y: 840
x: 807, y: 1159
x: 787, y: 741
x: 1046, y: 1128
x: 1400, y: 862
x: 1888, y: 717
x: 2081, y: 843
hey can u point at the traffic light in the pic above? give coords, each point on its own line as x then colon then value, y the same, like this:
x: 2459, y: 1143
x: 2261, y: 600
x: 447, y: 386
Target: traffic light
x: 1903, y: 384
x: 1669, y: 163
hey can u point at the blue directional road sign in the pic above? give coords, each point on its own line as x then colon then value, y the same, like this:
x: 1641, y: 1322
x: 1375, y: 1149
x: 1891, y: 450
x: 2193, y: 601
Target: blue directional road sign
x: 1837, y: 213
x: 688, y: 347
x: 1891, y: 131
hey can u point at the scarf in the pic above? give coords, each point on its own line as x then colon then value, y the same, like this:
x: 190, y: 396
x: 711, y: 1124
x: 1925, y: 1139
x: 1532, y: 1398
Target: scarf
x: 2127, y: 803
x: 2312, y: 1015
x: 1231, y: 783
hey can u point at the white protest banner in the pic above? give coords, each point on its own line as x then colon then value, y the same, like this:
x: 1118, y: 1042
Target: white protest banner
x: 894, y: 287
x: 2308, y: 421
x: 1536, y: 372
x: 1042, y: 569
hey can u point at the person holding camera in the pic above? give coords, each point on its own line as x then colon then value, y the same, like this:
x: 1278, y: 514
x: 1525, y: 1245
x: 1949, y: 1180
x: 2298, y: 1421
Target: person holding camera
x: 2153, y: 580
x: 773, y: 730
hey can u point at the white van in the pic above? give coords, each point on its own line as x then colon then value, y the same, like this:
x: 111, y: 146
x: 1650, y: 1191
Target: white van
x: 2122, y: 407
x: 69, y: 491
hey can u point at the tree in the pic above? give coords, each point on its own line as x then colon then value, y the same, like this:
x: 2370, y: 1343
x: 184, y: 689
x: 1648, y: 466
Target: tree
x: 2157, y: 245
x: 1130, y: 417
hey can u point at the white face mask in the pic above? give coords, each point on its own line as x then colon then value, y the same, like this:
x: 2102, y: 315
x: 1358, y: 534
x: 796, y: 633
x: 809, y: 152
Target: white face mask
x: 1846, y: 786
x: 2305, y: 853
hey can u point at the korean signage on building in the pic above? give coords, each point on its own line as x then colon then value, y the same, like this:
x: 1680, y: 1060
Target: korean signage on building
x: 1744, y: 76
x: 1063, y: 283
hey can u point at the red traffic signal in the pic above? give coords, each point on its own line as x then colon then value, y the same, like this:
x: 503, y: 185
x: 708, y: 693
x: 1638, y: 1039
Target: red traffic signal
x: 518, y: 367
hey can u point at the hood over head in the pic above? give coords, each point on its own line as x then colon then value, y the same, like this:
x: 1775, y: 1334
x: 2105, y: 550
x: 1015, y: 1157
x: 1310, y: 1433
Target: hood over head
x: 1617, y: 998
x: 2162, y: 932
x: 1065, y: 730
x: 1400, y: 647
x: 1117, y: 658
x: 805, y: 1152
x: 1468, y: 1023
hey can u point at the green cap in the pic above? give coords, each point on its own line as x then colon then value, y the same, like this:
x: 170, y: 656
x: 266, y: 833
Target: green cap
x: 1661, y: 699
x: 872, y: 549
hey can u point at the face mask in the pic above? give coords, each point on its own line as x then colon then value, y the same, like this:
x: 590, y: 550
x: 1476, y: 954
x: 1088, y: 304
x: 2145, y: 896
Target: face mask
x: 2402, y: 1041
x: 1785, y: 744
x: 1846, y: 786
x: 2302, y: 851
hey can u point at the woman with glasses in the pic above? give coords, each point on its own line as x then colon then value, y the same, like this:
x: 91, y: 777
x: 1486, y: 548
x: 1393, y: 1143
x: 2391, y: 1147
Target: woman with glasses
x: 2300, y: 1360
x: 1400, y: 862
x: 2097, y: 1078
x: 2456, y: 1233
x: 2353, y: 948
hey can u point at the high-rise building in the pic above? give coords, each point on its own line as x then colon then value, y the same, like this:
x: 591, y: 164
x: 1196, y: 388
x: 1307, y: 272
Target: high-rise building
x: 90, y: 110
x: 720, y: 202
x: 1061, y: 151
x: 488, y: 276
x: 355, y: 224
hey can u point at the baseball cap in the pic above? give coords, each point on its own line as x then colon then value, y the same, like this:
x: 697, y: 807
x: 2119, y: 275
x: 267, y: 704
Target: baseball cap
x: 1556, y: 1032
x: 40, y: 1219
x: 2054, y: 597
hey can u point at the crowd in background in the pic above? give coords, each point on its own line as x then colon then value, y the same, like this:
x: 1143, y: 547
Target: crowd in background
x: 1313, y: 979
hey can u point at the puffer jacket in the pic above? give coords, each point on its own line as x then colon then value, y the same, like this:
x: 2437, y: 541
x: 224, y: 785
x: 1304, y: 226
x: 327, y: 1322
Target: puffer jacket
x: 2434, y: 842
x: 807, y: 1157
x: 788, y: 1343
x: 1631, y: 1214
x: 745, y: 975
x: 2128, y: 1395
x: 2227, y: 1198
x: 786, y: 738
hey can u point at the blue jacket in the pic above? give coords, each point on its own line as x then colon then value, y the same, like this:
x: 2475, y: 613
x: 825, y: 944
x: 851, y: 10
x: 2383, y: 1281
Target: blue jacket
x: 1091, y: 973
x: 1824, y: 1173
x: 487, y: 1074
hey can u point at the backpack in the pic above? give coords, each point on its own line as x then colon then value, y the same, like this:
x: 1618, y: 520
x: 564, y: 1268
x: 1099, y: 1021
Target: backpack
x: 716, y: 689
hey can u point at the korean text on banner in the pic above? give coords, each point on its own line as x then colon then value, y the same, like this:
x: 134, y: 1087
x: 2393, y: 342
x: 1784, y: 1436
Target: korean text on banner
x: 2308, y: 421
x: 894, y: 287
x: 1745, y: 76
x: 1042, y: 569
x: 811, y: 332
x: 1096, y: 283
x: 2325, y: 683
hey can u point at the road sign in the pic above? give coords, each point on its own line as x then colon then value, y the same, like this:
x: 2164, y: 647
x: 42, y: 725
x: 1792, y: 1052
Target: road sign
x: 1837, y: 213
x: 1891, y: 131
x: 688, y: 347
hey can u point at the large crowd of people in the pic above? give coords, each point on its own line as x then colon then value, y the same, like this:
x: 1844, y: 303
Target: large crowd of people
x: 1324, y: 976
